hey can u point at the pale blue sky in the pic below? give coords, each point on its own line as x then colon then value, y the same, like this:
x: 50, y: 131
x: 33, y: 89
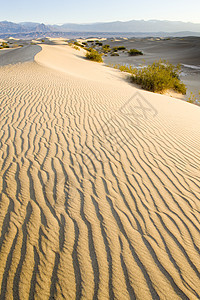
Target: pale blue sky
x: 87, y: 11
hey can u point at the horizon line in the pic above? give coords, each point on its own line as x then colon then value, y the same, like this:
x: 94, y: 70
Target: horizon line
x: 99, y: 22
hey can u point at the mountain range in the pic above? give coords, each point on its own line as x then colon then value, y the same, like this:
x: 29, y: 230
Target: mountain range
x: 133, y: 26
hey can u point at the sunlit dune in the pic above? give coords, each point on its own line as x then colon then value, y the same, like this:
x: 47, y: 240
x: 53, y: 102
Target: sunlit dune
x: 99, y: 184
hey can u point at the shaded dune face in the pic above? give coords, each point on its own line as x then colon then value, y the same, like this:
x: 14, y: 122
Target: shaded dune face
x: 99, y: 197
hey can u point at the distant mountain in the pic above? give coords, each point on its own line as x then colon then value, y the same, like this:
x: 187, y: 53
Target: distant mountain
x: 12, y: 28
x: 134, y: 27
x: 131, y: 26
x: 9, y: 27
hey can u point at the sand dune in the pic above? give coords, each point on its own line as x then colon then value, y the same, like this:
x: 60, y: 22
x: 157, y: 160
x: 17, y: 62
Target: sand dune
x: 99, y: 185
x: 19, y: 55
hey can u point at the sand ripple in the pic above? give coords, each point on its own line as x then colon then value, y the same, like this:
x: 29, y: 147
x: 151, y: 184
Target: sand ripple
x: 96, y: 201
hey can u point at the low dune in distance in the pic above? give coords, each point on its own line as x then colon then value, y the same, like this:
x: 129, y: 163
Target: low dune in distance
x: 99, y: 184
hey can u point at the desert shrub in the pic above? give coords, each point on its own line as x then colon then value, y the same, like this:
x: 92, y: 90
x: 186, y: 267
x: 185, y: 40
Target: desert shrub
x: 134, y: 52
x: 159, y: 77
x: 85, y: 43
x: 106, y: 48
x: 194, y: 99
x: 89, y: 49
x: 1, y: 47
x: 5, y: 45
x: 125, y: 68
x: 99, y: 43
x: 114, y: 54
x: 76, y: 47
x: 42, y: 41
x: 114, y: 49
x: 94, y: 55
x: 121, y: 48
x: 78, y: 44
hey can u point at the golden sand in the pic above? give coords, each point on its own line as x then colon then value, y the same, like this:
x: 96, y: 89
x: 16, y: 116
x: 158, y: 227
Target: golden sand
x: 99, y: 185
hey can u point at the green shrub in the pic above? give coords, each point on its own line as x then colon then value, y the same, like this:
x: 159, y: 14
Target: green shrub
x: 114, y: 54
x: 194, y: 99
x: 159, y: 77
x: 94, y: 55
x: 5, y: 45
x: 99, y: 43
x: 121, y: 48
x: 78, y: 44
x: 115, y: 49
x: 89, y: 49
x: 106, y: 48
x: 134, y: 52
x: 76, y: 47
x: 125, y: 68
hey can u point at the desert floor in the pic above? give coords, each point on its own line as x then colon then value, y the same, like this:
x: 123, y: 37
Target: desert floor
x: 99, y: 183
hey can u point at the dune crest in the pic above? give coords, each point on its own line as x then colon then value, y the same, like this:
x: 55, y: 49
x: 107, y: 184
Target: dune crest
x: 99, y: 185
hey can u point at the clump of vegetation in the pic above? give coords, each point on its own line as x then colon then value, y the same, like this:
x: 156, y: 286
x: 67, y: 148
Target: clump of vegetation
x: 98, y: 43
x: 78, y: 44
x: 75, y: 45
x: 114, y: 49
x: 114, y: 54
x: 85, y: 44
x: 134, y: 52
x: 158, y: 77
x: 76, y: 48
x: 125, y: 68
x: 121, y: 48
x: 4, y: 45
x: 106, y: 48
x: 89, y: 49
x: 194, y: 99
x: 94, y: 55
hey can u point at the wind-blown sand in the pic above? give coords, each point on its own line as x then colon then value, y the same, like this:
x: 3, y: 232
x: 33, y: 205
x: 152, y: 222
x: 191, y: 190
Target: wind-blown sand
x: 99, y: 184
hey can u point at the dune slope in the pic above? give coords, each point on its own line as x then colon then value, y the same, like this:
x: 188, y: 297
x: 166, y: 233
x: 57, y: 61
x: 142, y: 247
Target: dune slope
x: 99, y: 185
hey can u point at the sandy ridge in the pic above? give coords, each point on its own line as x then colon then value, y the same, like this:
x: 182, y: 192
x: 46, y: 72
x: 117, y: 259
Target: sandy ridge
x: 99, y: 198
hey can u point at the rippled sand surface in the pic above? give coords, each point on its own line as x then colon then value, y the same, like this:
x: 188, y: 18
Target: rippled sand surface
x: 99, y: 185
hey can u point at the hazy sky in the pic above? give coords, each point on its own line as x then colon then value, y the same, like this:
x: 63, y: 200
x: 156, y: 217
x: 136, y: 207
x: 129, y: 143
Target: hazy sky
x: 87, y: 11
